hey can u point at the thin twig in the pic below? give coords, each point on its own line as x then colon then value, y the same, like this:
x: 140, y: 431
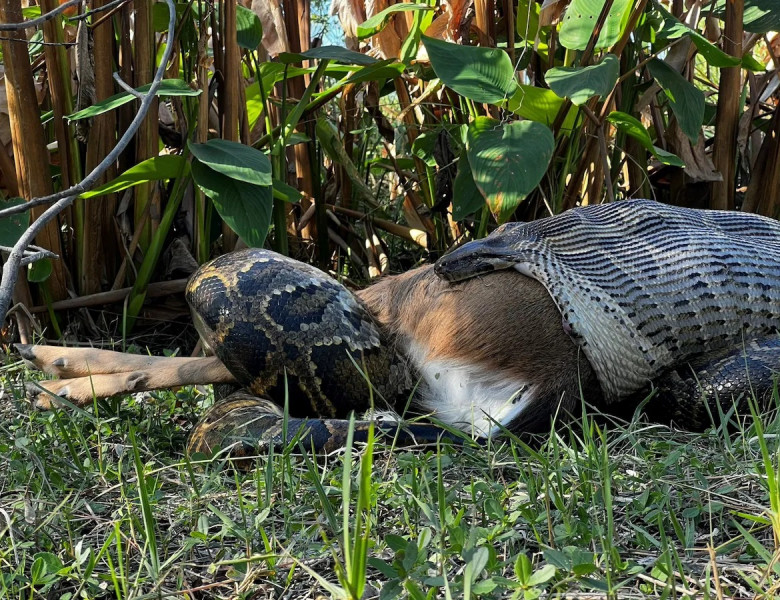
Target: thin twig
x: 39, y: 20
x: 67, y: 197
x: 155, y: 290
x: 32, y: 250
x: 127, y: 88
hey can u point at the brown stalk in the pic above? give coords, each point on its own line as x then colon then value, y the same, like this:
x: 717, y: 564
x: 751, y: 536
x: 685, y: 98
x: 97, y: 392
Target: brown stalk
x: 31, y: 157
x: 146, y: 200
x: 154, y: 290
x: 201, y: 135
x: 126, y: 112
x: 417, y: 236
x: 763, y: 192
x: 484, y: 13
x: 297, y: 21
x: 415, y: 210
x: 349, y: 122
x: 724, y: 154
x: 99, y: 248
x: 231, y: 71
x: 58, y: 70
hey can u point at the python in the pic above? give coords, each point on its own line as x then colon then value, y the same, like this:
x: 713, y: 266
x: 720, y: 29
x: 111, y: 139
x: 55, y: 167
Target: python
x: 605, y: 303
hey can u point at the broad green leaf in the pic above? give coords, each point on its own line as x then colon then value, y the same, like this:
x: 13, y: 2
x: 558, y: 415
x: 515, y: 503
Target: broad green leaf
x: 152, y: 169
x: 508, y: 161
x: 632, y: 126
x: 377, y: 23
x: 237, y: 161
x: 337, y: 53
x: 12, y: 227
x: 542, y: 575
x: 581, y: 18
x: 686, y: 100
x: 245, y: 207
x: 540, y: 105
x: 523, y: 568
x: 285, y: 192
x: 759, y: 16
x: 674, y: 29
x: 254, y: 103
x: 249, y: 28
x: 423, y: 147
x: 579, y: 84
x: 39, y: 271
x: 466, y: 197
x: 168, y: 87
x: 480, y: 74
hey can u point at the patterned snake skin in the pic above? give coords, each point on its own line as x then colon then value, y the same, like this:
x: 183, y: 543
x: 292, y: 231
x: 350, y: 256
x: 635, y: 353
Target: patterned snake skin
x: 286, y: 329
x: 686, y: 299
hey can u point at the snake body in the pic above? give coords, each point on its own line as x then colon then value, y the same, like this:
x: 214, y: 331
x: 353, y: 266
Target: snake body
x: 686, y: 301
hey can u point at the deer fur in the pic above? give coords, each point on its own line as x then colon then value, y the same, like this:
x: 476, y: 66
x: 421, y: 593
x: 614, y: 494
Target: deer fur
x: 493, y: 335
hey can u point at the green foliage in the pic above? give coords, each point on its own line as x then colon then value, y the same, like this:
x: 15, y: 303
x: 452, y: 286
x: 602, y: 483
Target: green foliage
x: 479, y: 74
x: 377, y: 23
x: 157, y: 168
x: 168, y: 87
x: 12, y: 227
x: 581, y: 18
x: 686, y: 100
x: 633, y: 127
x: 507, y: 161
x: 579, y: 84
x: 249, y: 28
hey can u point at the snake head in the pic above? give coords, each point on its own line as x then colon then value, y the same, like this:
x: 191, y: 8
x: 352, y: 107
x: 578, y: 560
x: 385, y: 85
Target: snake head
x: 495, y: 252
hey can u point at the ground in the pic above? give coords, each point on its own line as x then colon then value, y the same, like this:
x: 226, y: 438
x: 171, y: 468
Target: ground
x: 103, y: 503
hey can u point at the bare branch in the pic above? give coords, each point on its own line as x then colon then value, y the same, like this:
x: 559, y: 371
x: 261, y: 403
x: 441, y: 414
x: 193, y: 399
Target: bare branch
x: 40, y: 20
x: 126, y: 87
x: 53, y: 13
x: 67, y: 197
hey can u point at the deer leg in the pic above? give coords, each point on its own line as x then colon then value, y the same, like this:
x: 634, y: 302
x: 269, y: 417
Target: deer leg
x: 87, y: 373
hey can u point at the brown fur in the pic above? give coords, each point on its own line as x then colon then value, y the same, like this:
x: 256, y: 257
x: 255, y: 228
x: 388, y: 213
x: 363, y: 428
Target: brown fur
x: 505, y: 322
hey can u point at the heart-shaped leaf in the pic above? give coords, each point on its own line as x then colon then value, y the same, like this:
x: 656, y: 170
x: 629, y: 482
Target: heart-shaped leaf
x: 542, y: 105
x: 245, y: 207
x: 466, y: 197
x: 234, y: 160
x: 508, y: 161
x: 579, y: 84
x: 480, y: 74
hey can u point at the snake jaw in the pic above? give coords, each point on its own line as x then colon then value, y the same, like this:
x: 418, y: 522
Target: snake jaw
x: 470, y: 261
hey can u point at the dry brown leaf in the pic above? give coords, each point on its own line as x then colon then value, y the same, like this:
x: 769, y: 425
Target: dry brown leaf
x: 274, y: 32
x: 698, y: 164
x: 551, y: 11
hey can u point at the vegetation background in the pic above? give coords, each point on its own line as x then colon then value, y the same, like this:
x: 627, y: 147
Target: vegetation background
x: 426, y: 124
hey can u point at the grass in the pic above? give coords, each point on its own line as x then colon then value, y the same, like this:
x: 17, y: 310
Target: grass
x: 102, y: 503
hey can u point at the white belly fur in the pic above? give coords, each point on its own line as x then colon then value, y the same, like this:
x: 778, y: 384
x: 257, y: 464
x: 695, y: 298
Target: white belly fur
x: 466, y: 396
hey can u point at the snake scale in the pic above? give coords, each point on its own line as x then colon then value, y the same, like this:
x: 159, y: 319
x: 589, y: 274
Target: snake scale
x: 648, y: 296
